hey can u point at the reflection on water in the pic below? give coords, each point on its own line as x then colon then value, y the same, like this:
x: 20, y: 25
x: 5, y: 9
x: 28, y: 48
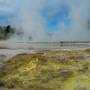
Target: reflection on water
x: 52, y: 46
x: 58, y: 46
x: 42, y: 45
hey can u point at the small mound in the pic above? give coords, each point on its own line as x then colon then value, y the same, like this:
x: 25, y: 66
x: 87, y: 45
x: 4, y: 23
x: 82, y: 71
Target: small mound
x: 50, y: 70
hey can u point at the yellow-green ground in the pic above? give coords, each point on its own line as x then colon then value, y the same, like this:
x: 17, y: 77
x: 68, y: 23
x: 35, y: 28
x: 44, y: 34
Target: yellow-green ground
x: 47, y: 70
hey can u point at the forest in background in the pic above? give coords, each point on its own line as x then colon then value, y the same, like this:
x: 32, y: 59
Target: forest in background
x: 6, y: 32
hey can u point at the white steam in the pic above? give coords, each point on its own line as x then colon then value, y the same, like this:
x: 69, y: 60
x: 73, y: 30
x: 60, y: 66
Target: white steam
x: 34, y: 25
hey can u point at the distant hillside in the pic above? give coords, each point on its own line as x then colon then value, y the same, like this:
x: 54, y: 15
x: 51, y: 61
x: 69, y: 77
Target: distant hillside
x: 6, y: 32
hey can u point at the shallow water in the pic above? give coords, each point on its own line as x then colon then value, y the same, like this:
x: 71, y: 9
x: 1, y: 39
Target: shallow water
x: 11, y: 49
x: 43, y: 45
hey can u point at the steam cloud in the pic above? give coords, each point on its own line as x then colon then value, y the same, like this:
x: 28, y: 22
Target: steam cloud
x: 34, y: 16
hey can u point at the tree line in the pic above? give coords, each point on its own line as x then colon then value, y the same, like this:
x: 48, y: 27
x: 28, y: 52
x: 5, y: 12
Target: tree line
x: 6, y: 32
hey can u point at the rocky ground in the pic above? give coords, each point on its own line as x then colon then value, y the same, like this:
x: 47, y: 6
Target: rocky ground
x: 52, y: 69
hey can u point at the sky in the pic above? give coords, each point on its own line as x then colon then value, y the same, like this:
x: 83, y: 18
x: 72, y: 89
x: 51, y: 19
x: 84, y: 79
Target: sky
x: 10, y: 8
x: 65, y: 19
